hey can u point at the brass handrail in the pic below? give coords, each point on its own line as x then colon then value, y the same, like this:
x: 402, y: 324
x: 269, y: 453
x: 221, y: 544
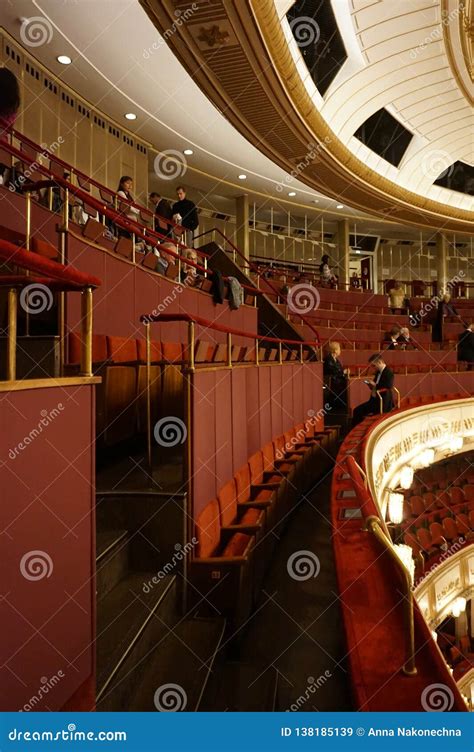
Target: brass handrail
x: 379, y: 395
x: 374, y: 525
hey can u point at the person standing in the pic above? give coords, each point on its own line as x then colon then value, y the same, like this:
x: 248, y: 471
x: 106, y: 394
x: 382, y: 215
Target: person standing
x: 384, y: 379
x: 185, y: 213
x: 335, y: 375
x: 163, y: 214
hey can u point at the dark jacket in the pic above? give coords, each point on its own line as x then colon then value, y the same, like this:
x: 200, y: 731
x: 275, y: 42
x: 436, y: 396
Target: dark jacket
x: 466, y: 346
x: 407, y: 343
x: 444, y: 309
x: 332, y: 368
x: 189, y: 214
x: 163, y: 211
x: 217, y: 287
x: 385, y: 380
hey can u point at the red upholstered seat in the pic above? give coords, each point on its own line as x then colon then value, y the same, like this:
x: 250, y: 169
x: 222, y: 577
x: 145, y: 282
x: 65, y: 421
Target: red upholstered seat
x: 122, y: 349
x: 252, y: 516
x: 155, y: 351
x: 417, y: 506
x: 44, y: 248
x: 242, y: 481
x: 469, y: 493
x: 256, y: 468
x: 463, y: 525
x: 227, y: 498
x: 208, y: 530
x: 449, y: 529
x: 237, y: 546
x: 457, y: 495
x: 172, y: 351
x: 99, y: 348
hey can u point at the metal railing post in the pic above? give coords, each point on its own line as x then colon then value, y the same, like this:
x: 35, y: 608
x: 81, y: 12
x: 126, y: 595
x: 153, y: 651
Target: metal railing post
x: 12, y: 332
x: 86, y: 332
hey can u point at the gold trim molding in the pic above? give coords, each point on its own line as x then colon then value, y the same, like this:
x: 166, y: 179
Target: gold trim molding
x: 236, y: 52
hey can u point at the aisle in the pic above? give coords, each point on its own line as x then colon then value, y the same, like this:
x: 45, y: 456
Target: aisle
x: 297, y: 627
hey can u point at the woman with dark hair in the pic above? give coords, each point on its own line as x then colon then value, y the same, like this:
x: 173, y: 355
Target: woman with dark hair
x: 9, y: 98
x: 130, y: 212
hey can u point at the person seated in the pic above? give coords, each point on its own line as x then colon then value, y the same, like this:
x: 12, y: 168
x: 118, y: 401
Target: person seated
x: 396, y: 297
x: 188, y: 271
x: 130, y: 212
x: 384, y: 379
x: 392, y: 338
x: 334, y: 373
x: 466, y: 346
x: 355, y: 281
x: 405, y: 341
x: 327, y: 278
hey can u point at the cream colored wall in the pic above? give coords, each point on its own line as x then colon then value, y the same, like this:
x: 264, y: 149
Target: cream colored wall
x: 90, y: 141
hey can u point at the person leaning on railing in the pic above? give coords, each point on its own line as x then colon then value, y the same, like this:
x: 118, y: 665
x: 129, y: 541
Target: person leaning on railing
x: 9, y: 99
x: 383, y: 382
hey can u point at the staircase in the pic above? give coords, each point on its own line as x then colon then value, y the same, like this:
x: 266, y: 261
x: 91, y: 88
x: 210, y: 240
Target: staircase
x: 149, y: 655
x: 271, y: 321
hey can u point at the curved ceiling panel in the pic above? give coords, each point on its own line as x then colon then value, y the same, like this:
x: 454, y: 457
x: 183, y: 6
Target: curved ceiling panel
x: 240, y: 56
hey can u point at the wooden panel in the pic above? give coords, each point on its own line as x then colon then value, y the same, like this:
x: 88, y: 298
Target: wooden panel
x: 223, y: 424
x: 204, y: 439
x: 239, y: 418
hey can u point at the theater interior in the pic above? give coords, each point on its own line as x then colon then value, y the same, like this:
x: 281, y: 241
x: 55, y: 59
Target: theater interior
x: 209, y: 501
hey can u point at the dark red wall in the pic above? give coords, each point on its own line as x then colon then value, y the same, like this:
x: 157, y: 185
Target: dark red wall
x: 236, y: 411
x: 47, y: 506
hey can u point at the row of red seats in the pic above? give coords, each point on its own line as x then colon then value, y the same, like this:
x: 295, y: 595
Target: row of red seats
x: 235, y: 531
x: 440, y: 535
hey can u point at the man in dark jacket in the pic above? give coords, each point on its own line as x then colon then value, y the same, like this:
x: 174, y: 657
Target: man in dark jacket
x: 384, y: 379
x: 188, y: 214
x: 466, y: 346
x: 163, y: 211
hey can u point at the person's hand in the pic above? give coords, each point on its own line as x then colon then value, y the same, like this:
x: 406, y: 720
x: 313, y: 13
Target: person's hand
x: 371, y: 383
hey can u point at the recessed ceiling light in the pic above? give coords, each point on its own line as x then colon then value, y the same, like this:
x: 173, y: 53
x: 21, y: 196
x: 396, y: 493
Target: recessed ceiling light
x: 340, y: 206
x: 315, y: 200
x: 130, y: 116
x: 242, y: 177
x: 64, y: 59
x: 188, y: 152
x: 292, y: 193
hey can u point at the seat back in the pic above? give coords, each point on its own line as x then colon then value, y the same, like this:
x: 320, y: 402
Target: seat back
x: 227, y: 499
x: 208, y: 530
x: 256, y: 467
x: 242, y: 482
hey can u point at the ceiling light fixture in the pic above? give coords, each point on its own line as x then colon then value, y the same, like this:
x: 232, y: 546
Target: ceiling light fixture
x: 242, y: 177
x: 130, y: 116
x: 64, y: 59
x: 188, y: 152
x: 292, y: 193
x: 340, y: 206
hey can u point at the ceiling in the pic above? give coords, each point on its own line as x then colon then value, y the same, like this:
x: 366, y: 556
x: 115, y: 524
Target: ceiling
x: 122, y: 64
x: 398, y: 60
